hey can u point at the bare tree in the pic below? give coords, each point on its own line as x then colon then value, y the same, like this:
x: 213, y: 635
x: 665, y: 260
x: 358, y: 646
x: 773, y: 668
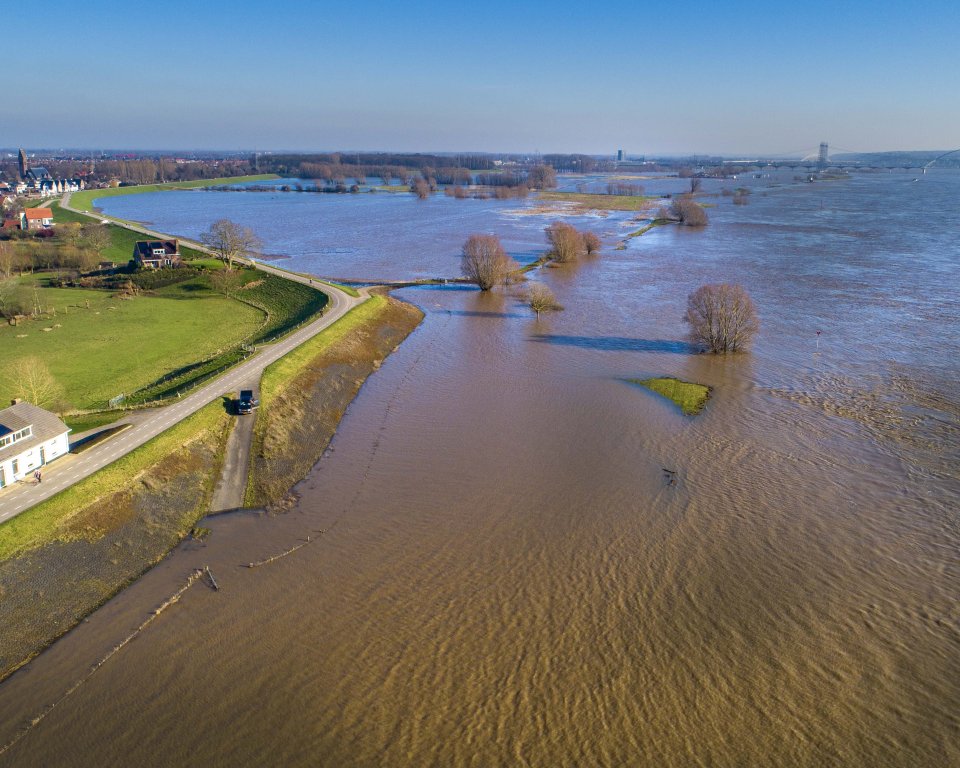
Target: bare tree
x: 485, y: 262
x: 421, y: 188
x: 591, y: 242
x: 30, y: 379
x: 542, y: 177
x: 695, y: 184
x: 96, y: 237
x: 566, y: 243
x: 230, y: 241
x: 541, y: 299
x: 225, y: 281
x: 722, y: 317
x: 6, y: 260
x: 688, y: 213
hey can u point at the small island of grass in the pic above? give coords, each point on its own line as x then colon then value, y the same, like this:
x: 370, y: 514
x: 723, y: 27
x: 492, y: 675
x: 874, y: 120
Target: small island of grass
x: 690, y: 397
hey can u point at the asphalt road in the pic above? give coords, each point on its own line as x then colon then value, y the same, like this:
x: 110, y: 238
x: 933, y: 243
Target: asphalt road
x: 67, y: 471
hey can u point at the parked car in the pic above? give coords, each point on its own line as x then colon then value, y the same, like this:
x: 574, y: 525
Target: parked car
x: 246, y: 402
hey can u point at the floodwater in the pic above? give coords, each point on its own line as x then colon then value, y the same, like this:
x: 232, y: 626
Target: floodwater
x: 505, y: 576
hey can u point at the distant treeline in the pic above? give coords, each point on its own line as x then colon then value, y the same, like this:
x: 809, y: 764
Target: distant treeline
x: 143, y: 170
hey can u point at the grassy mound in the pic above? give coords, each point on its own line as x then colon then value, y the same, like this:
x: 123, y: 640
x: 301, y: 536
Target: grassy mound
x: 690, y: 397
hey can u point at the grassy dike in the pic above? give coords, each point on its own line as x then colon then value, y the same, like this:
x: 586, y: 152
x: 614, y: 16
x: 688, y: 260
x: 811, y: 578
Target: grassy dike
x: 304, y: 394
x: 62, y: 559
x: 83, y: 200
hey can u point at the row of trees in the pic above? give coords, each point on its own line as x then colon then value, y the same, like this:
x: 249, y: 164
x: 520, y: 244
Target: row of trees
x: 722, y: 317
x: 143, y: 170
x: 70, y: 246
x: 484, y: 260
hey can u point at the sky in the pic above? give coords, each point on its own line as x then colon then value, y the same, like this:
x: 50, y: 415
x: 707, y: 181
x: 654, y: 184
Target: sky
x: 731, y: 78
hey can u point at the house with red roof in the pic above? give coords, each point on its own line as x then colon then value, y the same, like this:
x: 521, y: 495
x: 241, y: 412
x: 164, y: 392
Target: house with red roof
x: 36, y: 218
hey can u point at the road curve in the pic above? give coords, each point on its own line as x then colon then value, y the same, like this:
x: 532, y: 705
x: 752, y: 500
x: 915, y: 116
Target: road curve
x: 72, y: 469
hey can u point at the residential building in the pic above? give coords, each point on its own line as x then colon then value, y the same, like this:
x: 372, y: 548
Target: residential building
x: 36, y: 218
x: 30, y: 438
x: 154, y: 254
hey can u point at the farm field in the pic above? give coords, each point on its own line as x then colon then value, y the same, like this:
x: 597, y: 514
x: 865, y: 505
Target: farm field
x: 97, y: 345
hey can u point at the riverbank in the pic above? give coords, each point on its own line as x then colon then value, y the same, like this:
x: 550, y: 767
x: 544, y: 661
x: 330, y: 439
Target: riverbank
x: 65, y: 557
x: 305, y: 393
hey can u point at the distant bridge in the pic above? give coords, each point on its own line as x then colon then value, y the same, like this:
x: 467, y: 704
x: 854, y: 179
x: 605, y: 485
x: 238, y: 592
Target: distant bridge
x: 820, y: 159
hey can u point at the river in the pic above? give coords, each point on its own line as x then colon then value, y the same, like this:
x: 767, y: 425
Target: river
x: 500, y: 572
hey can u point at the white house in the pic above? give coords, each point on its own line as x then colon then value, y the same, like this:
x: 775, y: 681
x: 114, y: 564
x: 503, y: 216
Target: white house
x: 30, y: 437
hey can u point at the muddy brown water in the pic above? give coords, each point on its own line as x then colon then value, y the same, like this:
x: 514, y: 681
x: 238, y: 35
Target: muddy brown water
x: 504, y: 576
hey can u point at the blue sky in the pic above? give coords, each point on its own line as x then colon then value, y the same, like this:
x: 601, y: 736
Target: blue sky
x: 681, y: 77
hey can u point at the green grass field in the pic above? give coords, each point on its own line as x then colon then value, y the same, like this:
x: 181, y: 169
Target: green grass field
x: 599, y: 202
x: 100, y: 346
x: 83, y: 200
x: 123, y: 240
x: 692, y: 398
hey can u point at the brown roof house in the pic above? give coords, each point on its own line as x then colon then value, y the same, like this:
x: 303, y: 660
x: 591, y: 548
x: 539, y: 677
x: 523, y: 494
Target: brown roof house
x: 36, y: 218
x: 30, y: 437
x: 154, y: 254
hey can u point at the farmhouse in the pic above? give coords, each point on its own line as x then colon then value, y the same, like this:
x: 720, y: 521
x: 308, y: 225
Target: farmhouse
x: 30, y: 437
x: 36, y: 218
x: 154, y: 254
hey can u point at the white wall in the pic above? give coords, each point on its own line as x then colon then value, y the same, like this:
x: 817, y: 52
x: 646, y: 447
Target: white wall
x: 28, y: 461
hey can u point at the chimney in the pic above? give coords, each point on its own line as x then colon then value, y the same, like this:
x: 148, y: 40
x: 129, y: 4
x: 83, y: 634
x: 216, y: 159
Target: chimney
x: 15, y: 401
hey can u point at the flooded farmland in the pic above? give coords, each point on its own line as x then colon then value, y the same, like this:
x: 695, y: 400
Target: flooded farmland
x: 499, y: 572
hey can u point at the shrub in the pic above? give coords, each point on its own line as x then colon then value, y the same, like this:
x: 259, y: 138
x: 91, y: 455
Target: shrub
x: 688, y: 213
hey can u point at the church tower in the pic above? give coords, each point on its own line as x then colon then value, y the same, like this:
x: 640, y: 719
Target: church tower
x: 23, y: 164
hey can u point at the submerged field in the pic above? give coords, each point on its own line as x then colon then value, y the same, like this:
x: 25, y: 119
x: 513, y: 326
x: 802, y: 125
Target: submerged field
x: 498, y: 570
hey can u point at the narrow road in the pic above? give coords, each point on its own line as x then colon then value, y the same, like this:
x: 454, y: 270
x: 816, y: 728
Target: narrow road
x: 232, y: 484
x: 24, y: 495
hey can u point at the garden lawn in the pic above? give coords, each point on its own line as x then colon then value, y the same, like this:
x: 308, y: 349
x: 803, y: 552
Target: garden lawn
x: 117, y: 346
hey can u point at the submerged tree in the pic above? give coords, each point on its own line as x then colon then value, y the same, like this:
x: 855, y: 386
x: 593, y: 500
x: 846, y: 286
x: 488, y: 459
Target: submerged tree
x: 541, y: 299
x: 566, y: 243
x: 421, y: 188
x: 591, y: 243
x: 485, y: 262
x: 688, y: 213
x: 722, y: 317
x: 230, y: 241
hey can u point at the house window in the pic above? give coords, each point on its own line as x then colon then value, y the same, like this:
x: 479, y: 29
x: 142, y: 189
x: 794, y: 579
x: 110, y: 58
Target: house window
x: 15, y: 466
